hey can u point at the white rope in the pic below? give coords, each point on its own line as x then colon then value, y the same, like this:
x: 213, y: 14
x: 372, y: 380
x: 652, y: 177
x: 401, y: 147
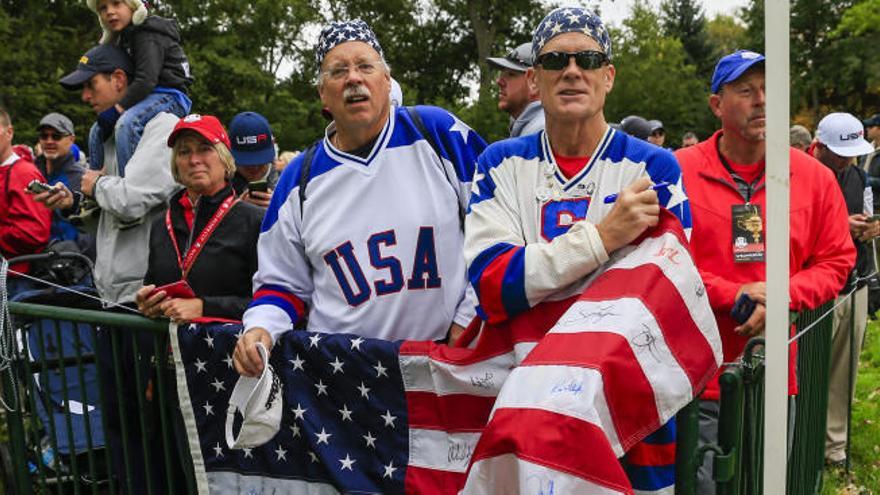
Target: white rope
x: 7, y: 349
x: 105, y: 303
x: 840, y: 301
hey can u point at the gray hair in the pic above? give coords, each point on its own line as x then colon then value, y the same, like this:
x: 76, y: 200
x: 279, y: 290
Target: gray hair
x: 799, y: 134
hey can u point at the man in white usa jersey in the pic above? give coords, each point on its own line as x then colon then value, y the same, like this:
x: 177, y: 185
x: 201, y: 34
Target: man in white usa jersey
x: 364, y: 231
x: 538, y: 223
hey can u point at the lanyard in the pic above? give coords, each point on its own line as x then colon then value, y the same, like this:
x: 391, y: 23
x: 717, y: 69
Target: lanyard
x: 745, y: 189
x: 193, y: 251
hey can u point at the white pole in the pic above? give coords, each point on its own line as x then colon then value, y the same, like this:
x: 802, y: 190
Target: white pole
x: 776, y: 26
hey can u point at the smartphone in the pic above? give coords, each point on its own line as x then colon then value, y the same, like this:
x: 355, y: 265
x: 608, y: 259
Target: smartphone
x: 743, y: 309
x: 259, y: 186
x: 179, y: 289
x: 38, y: 187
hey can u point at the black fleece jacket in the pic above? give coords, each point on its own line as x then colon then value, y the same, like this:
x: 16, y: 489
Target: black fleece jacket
x: 154, y: 48
x: 221, y: 275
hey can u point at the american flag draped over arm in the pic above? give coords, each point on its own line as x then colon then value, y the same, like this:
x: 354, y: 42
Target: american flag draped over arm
x: 524, y: 410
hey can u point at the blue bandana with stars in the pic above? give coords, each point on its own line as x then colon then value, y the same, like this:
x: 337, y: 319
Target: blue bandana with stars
x: 567, y: 20
x: 339, y: 32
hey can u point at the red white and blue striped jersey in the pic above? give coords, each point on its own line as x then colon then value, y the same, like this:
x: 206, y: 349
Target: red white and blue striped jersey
x: 531, y: 232
x: 376, y: 249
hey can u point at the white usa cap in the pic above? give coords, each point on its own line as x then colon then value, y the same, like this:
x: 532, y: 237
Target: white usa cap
x: 843, y: 134
x: 260, y: 402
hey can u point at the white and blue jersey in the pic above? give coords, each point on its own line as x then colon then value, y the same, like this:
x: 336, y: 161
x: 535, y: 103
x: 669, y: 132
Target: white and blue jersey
x: 377, y: 248
x: 531, y: 232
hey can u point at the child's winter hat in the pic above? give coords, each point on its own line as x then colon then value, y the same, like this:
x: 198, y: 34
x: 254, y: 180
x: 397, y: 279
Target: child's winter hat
x: 140, y: 14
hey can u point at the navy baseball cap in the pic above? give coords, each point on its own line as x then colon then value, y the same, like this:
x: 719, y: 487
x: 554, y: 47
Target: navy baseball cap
x: 252, y: 140
x: 732, y: 66
x: 872, y: 121
x: 101, y: 59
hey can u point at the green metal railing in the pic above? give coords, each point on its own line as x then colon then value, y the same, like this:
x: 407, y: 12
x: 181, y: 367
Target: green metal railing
x: 128, y: 355
x: 738, y: 462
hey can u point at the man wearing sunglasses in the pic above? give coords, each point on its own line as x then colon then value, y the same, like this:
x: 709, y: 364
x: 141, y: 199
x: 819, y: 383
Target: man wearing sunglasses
x: 58, y: 164
x: 515, y: 95
x: 538, y: 223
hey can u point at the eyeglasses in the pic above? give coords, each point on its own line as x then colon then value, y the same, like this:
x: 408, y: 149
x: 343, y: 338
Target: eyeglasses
x: 54, y: 136
x: 339, y: 72
x: 586, y: 60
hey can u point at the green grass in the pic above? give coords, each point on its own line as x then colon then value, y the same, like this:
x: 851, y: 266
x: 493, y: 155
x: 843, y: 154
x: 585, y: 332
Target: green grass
x: 864, y: 475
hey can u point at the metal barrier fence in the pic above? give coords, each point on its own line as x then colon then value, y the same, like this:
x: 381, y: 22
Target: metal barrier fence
x: 58, y: 352
x: 63, y: 363
x: 738, y: 463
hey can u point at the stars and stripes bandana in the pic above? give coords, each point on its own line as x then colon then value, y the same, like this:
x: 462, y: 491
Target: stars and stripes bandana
x: 544, y: 403
x: 339, y: 32
x: 567, y: 20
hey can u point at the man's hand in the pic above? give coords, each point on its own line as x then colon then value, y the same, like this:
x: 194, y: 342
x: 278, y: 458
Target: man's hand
x: 183, y: 310
x: 246, y: 356
x: 755, y: 324
x: 757, y: 291
x: 871, y: 231
x: 636, y: 209
x: 59, y: 198
x: 89, y: 178
x: 858, y: 225
x: 149, y: 304
x: 455, y: 331
x: 258, y: 198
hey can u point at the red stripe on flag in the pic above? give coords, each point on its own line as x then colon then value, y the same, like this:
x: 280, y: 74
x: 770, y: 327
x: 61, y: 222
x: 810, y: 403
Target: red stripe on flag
x: 648, y: 283
x: 649, y: 454
x: 546, y: 438
x: 293, y: 300
x: 497, y: 339
x: 669, y: 224
x: 453, y: 413
x: 628, y: 393
x: 430, y: 481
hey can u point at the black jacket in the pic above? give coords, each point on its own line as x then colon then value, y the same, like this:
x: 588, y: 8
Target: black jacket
x: 221, y: 275
x: 154, y: 48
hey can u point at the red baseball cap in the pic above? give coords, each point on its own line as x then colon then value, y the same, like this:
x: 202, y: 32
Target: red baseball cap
x: 206, y: 126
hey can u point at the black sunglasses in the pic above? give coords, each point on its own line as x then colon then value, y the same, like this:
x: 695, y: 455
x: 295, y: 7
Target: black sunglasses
x: 587, y: 60
x: 54, y: 136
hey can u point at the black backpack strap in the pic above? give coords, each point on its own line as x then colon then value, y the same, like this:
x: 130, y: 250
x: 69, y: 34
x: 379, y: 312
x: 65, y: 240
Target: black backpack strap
x: 304, y: 175
x: 423, y: 130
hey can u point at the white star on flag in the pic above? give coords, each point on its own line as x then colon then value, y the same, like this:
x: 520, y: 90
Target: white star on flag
x: 370, y: 439
x: 209, y: 409
x: 677, y: 195
x: 281, y: 453
x: 247, y: 453
x: 322, y: 389
x: 347, y: 462
x: 389, y: 470
x: 218, y: 385
x: 380, y: 370
x: 297, y: 363
x: 218, y: 450
x: 299, y: 411
x: 229, y: 361
x: 389, y: 419
x: 295, y: 430
x: 364, y: 391
x: 209, y: 340
x: 337, y: 365
x: 345, y: 412
x: 313, y: 341
x: 200, y: 366
x: 313, y: 456
x: 323, y: 437
x: 356, y: 343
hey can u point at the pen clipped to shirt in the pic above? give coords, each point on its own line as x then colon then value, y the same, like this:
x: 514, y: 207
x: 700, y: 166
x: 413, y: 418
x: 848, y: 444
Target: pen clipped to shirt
x: 656, y: 187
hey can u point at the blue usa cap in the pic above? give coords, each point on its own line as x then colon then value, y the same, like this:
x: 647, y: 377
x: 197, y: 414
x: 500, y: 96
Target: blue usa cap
x: 732, y: 66
x: 252, y: 140
x: 571, y: 19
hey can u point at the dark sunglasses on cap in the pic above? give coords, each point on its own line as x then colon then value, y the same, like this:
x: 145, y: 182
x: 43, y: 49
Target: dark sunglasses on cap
x: 587, y: 60
x: 54, y: 136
